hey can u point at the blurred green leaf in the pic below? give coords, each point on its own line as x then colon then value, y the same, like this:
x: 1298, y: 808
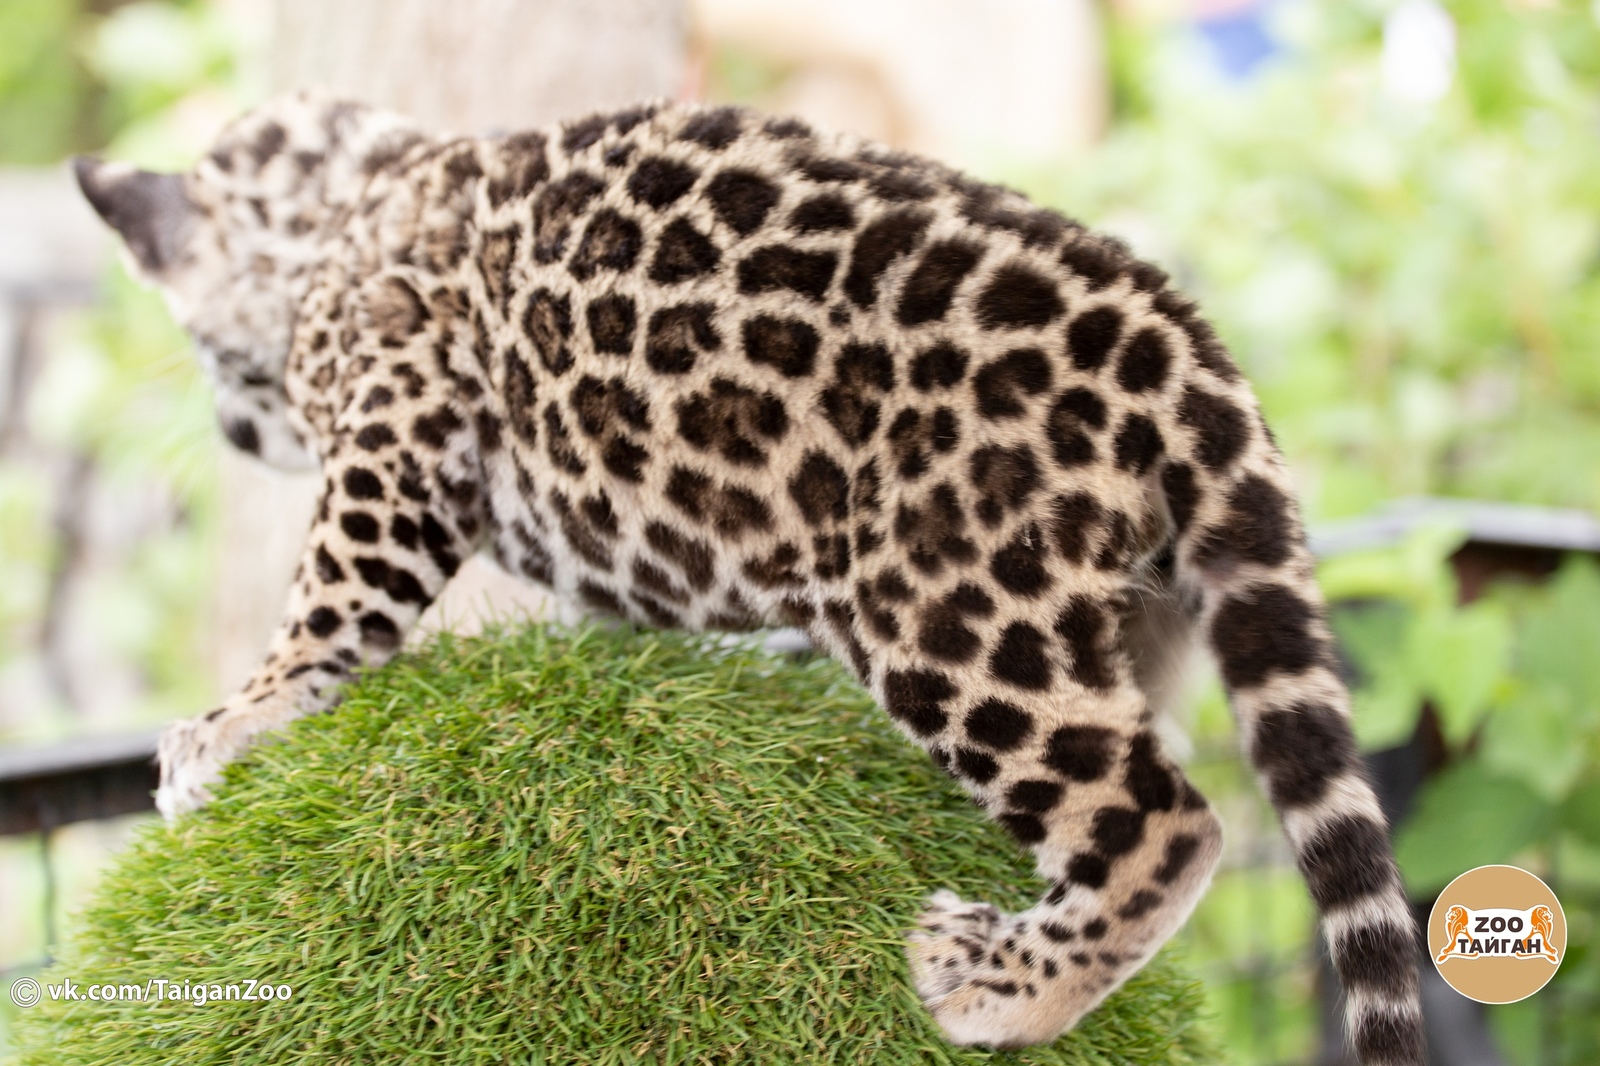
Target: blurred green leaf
x: 1559, y: 641
x: 1461, y: 656
x: 1385, y: 714
x: 1531, y: 738
x: 1468, y: 816
x: 1388, y: 697
x: 1581, y: 812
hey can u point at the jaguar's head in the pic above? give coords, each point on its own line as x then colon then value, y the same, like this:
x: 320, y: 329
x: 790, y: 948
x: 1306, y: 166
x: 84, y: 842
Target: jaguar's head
x: 233, y: 242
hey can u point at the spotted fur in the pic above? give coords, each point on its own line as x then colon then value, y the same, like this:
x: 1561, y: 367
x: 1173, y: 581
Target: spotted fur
x: 699, y: 368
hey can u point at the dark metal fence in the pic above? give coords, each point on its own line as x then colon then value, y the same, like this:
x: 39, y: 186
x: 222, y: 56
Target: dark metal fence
x: 45, y: 788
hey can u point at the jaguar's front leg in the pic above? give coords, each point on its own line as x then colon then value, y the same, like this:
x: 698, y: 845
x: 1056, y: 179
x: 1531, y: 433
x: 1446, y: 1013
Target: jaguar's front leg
x: 384, y: 542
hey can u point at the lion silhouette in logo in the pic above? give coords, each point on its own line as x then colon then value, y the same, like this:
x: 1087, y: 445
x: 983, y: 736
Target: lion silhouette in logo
x: 1455, y: 922
x: 1543, y: 921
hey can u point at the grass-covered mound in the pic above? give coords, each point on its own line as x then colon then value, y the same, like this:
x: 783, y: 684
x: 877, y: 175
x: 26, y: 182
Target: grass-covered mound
x: 565, y: 848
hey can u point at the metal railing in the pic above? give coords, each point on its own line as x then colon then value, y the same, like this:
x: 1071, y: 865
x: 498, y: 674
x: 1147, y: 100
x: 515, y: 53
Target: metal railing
x: 47, y: 787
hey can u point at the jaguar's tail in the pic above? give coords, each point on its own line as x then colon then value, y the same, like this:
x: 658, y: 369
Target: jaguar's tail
x: 1241, y: 545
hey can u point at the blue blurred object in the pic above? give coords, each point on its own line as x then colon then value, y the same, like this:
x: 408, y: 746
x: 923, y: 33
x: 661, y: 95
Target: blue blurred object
x: 1239, y: 39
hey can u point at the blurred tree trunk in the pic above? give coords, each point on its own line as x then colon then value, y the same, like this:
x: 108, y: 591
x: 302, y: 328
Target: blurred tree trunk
x: 469, y: 66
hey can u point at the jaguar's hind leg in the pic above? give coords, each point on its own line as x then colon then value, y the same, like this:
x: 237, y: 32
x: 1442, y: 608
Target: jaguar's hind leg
x: 1074, y: 773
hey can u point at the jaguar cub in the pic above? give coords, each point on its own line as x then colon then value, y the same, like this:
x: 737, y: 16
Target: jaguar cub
x: 696, y: 367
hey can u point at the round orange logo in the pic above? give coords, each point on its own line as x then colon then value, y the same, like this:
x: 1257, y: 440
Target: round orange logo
x: 1497, y: 934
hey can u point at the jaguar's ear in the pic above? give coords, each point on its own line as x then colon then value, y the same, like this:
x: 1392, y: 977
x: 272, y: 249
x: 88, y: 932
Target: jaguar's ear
x: 151, y: 211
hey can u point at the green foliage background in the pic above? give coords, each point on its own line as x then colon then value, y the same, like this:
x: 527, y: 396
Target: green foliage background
x: 1414, y: 290
x: 1415, y: 293
x: 118, y: 392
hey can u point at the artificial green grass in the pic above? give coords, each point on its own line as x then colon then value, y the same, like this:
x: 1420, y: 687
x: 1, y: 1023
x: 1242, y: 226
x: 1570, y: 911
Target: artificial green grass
x: 596, y: 847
